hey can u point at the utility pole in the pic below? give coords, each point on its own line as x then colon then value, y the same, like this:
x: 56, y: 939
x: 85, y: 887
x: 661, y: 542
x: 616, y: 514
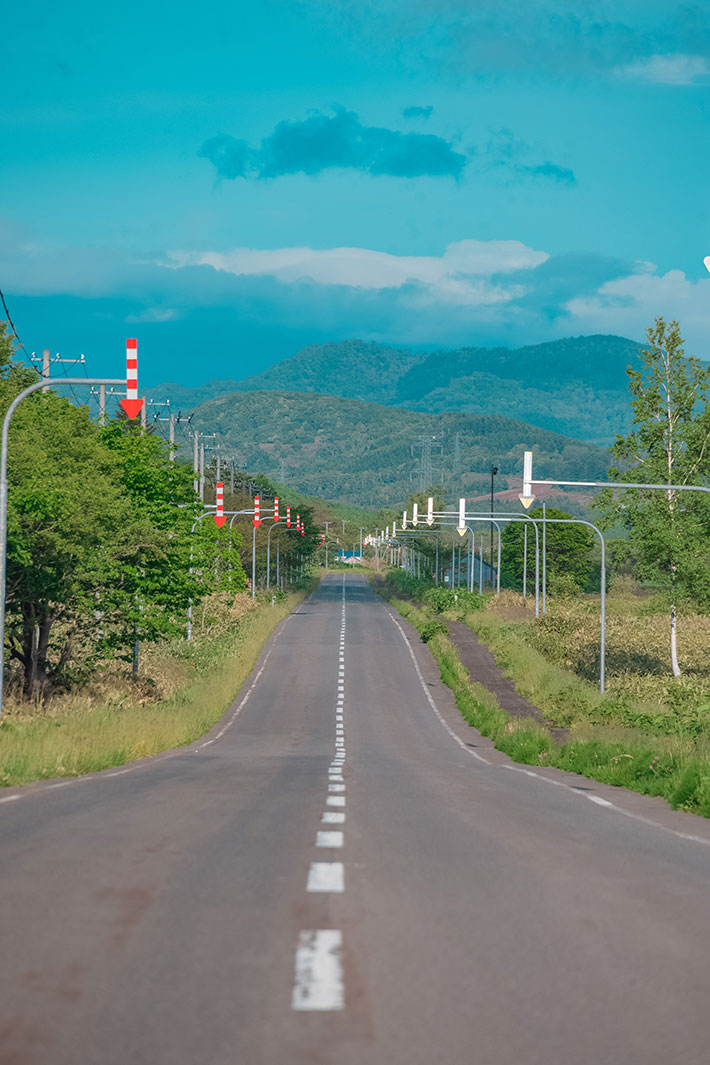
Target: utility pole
x: 456, y: 464
x: 170, y: 419
x: 102, y: 393
x: 195, y: 458
x: 47, y: 359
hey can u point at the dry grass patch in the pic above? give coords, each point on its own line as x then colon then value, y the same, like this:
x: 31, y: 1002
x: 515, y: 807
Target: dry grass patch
x: 186, y: 689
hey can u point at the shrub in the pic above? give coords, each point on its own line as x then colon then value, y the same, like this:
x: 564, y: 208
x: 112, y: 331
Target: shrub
x: 432, y: 628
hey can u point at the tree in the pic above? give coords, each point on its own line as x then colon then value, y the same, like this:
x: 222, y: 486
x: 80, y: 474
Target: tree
x: 669, y: 443
x: 568, y: 550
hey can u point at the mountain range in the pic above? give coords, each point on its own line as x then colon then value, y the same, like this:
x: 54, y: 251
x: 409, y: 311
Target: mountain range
x: 367, y: 453
x: 576, y: 386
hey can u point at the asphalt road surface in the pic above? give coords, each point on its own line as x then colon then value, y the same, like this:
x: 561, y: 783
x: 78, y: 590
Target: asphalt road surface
x: 344, y: 873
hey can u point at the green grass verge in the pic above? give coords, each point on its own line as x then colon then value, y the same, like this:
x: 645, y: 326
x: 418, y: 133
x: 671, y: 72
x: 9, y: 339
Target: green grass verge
x: 80, y: 740
x: 674, y: 767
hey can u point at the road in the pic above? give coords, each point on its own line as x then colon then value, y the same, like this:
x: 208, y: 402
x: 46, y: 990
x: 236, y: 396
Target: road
x: 344, y: 873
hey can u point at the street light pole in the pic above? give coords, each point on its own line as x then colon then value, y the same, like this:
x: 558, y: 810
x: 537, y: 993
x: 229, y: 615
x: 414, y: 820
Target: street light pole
x: 494, y: 471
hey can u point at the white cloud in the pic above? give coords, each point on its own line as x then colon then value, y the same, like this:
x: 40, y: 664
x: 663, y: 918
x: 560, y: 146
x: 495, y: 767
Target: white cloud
x: 461, y: 275
x: 629, y: 305
x: 678, y: 69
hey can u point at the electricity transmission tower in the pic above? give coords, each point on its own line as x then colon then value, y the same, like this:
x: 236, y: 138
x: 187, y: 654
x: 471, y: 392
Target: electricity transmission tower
x: 424, y: 473
x: 456, y: 464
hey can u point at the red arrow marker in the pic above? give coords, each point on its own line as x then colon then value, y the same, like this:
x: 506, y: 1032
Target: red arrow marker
x: 256, y: 520
x: 219, y: 517
x: 276, y: 509
x: 288, y: 517
x: 132, y: 405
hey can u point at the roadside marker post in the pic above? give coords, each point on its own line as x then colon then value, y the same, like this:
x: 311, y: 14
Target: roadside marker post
x: 461, y: 528
x: 132, y: 405
x: 219, y: 516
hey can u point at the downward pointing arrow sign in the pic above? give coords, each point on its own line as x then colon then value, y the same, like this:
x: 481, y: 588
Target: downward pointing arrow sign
x: 132, y: 407
x: 219, y: 520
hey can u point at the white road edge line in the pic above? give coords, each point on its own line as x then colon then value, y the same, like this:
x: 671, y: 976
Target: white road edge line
x: 531, y: 773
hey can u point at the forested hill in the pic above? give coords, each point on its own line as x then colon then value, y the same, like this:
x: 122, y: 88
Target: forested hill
x: 353, y: 451
x: 576, y: 386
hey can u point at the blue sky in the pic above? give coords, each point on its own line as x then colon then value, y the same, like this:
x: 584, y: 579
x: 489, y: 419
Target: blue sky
x: 236, y: 180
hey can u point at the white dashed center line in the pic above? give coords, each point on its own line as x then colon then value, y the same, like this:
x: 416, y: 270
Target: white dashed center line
x: 329, y: 839
x: 319, y: 971
x: 326, y: 876
x: 319, y: 983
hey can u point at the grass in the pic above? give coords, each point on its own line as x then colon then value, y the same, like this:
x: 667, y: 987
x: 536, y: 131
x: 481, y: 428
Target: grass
x: 651, y: 760
x: 188, y: 688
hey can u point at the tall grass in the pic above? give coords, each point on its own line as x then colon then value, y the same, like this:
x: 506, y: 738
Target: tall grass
x: 87, y: 732
x: 674, y: 767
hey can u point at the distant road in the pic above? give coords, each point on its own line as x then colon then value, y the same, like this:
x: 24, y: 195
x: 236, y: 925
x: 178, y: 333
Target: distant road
x: 343, y: 873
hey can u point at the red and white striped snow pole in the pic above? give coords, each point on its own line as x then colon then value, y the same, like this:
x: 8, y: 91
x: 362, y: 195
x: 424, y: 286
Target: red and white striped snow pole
x: 298, y: 522
x: 256, y: 520
x: 276, y: 509
x: 288, y: 517
x: 132, y: 405
x: 219, y: 516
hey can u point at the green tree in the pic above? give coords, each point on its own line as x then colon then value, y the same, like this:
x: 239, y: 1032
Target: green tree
x: 568, y: 550
x: 669, y: 443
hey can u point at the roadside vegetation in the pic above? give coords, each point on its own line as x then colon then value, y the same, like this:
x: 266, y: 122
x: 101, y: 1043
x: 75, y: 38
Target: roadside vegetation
x: 614, y: 738
x: 109, y: 547
x: 650, y: 729
x: 112, y: 719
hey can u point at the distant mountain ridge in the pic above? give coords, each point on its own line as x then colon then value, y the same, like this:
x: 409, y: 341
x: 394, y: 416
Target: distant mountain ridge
x: 367, y: 453
x: 576, y: 386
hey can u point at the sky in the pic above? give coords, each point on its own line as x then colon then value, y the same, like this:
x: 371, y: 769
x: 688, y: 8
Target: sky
x: 232, y: 181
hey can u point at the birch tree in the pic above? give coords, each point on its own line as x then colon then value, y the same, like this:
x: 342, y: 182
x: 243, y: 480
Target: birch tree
x: 669, y: 443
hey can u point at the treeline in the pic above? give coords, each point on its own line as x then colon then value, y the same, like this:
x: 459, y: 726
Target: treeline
x: 105, y: 545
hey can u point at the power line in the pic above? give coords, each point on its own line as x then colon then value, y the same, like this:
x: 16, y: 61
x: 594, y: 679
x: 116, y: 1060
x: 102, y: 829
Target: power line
x: 14, y: 330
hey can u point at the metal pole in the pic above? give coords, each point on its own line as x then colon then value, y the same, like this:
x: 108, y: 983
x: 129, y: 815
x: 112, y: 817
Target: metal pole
x: 202, y: 471
x: 45, y: 367
x: 268, y: 557
x: 231, y: 477
x: 470, y: 560
x: 277, y: 565
x: 498, y: 565
x: 144, y: 417
x: 436, y: 569
x: 453, y: 561
x: 253, y: 561
x: 102, y: 404
x: 544, y: 561
x: 172, y: 437
x: 196, y: 459
x: 525, y: 562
